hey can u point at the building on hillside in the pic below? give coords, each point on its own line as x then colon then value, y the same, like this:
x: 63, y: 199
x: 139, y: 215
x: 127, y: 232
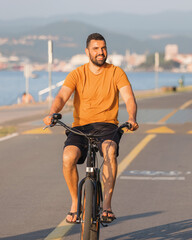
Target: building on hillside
x: 185, y: 60
x: 78, y: 60
x: 133, y: 60
x: 171, y: 51
x: 115, y: 59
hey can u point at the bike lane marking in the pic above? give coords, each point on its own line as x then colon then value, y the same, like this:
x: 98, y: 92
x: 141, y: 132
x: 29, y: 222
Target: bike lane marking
x: 63, y: 228
x: 59, y: 232
x: 182, y: 107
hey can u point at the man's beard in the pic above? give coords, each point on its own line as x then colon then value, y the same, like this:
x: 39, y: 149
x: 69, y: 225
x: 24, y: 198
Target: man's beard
x: 96, y: 62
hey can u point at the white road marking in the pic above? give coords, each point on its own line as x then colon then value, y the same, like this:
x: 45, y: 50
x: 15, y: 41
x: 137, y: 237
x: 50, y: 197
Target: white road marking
x: 9, y: 137
x: 152, y: 178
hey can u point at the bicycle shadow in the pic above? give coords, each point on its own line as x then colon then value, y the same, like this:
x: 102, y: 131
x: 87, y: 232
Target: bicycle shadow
x: 76, y: 228
x: 130, y: 217
x: 178, y: 230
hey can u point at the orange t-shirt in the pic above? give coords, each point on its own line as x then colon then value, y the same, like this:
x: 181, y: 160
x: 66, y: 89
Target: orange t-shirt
x: 96, y: 97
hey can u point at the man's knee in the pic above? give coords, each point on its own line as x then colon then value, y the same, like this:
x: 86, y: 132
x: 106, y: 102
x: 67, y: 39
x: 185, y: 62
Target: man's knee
x: 71, y: 155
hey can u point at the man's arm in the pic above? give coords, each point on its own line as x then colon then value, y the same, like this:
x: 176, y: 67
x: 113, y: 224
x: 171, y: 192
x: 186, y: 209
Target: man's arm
x: 59, y: 102
x: 131, y: 105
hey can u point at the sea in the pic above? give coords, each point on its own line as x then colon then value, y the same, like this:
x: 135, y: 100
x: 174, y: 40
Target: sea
x: 13, y: 83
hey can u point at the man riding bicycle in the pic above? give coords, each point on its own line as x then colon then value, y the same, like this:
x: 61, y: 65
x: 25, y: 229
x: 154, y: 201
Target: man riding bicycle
x: 96, y: 86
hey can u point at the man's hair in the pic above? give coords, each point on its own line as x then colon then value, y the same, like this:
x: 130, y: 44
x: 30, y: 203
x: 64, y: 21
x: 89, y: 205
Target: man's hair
x: 94, y: 36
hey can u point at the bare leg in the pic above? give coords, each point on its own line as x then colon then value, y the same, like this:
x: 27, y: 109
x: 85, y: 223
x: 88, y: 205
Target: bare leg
x: 109, y: 172
x: 71, y: 155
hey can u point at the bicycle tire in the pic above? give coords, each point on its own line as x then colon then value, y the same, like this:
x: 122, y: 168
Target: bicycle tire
x: 95, y: 228
x: 87, y: 210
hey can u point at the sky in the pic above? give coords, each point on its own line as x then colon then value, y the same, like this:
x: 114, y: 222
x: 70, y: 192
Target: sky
x: 15, y: 9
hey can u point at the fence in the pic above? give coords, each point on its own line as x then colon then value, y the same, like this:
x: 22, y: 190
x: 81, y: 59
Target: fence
x: 46, y: 90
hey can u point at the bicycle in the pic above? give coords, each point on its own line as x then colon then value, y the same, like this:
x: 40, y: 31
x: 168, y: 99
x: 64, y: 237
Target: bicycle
x: 89, y: 207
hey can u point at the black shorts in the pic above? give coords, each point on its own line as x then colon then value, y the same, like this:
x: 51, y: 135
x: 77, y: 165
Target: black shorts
x: 96, y: 129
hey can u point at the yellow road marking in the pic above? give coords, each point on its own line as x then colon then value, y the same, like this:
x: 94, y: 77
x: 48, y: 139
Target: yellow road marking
x: 38, y: 131
x: 190, y: 132
x: 133, y: 154
x: 59, y: 232
x: 185, y: 105
x: 164, y: 119
x: 182, y: 107
x: 163, y: 129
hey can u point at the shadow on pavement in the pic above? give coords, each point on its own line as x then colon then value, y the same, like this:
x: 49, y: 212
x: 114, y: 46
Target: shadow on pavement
x: 177, y: 230
x: 37, y: 235
x: 76, y: 228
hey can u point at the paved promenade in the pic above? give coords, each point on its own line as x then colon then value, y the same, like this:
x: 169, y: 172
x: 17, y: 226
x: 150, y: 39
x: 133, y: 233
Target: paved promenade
x: 152, y: 198
x: 16, y: 114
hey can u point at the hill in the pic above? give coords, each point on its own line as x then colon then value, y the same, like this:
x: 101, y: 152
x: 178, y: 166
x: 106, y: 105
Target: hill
x: 138, y: 33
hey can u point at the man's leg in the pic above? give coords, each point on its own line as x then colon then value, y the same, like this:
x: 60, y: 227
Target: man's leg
x: 71, y: 154
x: 109, y: 149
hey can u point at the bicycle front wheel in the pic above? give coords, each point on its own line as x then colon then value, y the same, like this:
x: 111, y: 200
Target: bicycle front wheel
x: 95, y: 229
x: 87, y: 210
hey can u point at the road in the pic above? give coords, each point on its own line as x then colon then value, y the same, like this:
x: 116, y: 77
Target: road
x: 152, y: 198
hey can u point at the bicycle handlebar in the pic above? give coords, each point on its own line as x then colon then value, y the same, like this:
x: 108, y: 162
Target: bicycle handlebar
x: 57, y: 116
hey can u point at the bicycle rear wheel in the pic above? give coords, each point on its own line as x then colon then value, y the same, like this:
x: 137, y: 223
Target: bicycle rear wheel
x: 87, y: 211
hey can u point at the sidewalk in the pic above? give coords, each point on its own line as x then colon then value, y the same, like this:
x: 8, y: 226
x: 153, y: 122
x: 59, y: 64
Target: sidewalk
x: 21, y: 113
x: 15, y: 114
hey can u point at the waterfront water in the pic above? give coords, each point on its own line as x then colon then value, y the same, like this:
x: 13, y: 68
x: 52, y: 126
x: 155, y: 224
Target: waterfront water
x: 12, y: 83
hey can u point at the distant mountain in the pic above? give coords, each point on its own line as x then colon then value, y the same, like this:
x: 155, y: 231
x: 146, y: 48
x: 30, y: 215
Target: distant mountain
x: 140, y: 26
x: 137, y: 26
x: 70, y: 38
x: 137, y: 33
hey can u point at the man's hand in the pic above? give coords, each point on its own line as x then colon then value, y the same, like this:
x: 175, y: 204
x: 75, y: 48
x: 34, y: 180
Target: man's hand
x: 134, y: 125
x: 47, y: 120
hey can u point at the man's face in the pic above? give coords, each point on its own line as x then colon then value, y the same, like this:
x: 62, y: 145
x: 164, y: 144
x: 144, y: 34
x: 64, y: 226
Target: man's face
x: 97, y: 52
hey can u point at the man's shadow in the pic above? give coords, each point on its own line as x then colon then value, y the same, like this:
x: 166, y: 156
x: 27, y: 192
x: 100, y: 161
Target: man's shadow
x: 177, y: 230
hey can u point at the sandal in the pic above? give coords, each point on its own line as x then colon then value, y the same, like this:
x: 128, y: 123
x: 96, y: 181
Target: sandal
x: 71, y: 214
x: 107, y: 218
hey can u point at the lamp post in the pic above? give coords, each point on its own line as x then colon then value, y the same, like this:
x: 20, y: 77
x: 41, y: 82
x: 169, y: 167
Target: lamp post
x: 156, y: 71
x: 50, y: 61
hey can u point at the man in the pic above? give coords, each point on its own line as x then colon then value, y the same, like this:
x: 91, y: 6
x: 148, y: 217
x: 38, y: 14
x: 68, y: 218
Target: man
x: 96, y: 85
x: 27, y: 98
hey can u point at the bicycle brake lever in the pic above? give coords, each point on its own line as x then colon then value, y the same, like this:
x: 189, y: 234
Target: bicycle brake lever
x: 45, y: 127
x: 127, y: 125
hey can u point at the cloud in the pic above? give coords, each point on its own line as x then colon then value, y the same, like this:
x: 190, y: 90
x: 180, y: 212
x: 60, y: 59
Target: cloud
x: 11, y: 9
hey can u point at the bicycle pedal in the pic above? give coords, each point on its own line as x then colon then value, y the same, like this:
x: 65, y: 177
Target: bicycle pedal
x: 104, y: 225
x: 78, y: 221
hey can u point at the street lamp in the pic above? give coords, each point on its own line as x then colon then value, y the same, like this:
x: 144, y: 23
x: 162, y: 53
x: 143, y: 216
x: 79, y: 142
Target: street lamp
x: 156, y: 71
x: 50, y: 61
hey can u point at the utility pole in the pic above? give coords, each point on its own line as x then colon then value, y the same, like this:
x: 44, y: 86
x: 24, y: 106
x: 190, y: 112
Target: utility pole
x: 50, y: 61
x: 156, y: 71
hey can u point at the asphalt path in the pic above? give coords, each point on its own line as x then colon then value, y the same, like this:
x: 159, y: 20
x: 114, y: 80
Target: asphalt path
x: 152, y: 198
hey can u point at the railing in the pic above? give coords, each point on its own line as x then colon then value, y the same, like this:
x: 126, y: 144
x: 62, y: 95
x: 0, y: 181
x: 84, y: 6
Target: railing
x: 46, y: 90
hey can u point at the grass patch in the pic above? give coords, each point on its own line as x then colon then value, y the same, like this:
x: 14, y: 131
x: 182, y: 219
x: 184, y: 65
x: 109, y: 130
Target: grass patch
x: 4, y: 131
x: 184, y: 89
